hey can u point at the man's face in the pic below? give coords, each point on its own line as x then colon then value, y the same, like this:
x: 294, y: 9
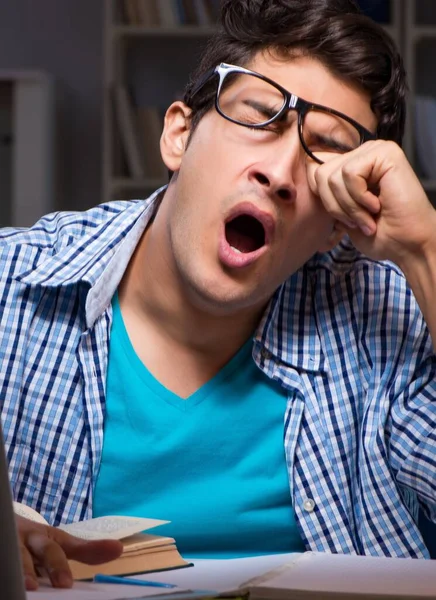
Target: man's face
x: 239, y: 217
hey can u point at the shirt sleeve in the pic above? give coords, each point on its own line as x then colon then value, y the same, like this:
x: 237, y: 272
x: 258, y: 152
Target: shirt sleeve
x: 411, y: 424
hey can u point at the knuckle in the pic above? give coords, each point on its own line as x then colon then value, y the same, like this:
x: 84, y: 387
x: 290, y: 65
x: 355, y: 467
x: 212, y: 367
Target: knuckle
x: 37, y: 543
x: 27, y: 561
x: 348, y: 171
x: 335, y: 181
x: 395, y: 151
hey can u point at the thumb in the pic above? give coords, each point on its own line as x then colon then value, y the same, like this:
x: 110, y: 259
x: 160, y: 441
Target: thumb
x: 311, y: 169
x: 92, y: 552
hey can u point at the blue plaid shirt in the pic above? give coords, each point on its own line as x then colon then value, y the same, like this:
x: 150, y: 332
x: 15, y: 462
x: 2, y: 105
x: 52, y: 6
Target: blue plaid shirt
x: 343, y: 335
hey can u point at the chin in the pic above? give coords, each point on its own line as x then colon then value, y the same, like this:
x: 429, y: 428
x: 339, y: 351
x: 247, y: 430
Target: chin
x: 227, y: 299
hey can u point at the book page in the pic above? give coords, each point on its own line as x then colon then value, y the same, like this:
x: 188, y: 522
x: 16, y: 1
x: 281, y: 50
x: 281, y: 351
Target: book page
x: 349, y: 575
x: 110, y: 527
x: 139, y: 541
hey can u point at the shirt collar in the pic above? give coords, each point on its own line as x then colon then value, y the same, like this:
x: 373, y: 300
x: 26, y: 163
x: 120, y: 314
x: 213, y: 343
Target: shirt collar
x: 287, y: 333
x: 98, y: 258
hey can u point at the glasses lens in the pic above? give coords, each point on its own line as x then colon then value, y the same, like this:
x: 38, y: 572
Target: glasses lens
x: 327, y: 135
x: 249, y: 100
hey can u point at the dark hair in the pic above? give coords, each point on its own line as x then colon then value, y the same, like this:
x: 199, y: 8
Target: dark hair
x: 335, y: 32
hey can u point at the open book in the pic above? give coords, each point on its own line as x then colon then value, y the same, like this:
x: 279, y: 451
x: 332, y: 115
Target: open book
x: 142, y: 552
x: 316, y: 576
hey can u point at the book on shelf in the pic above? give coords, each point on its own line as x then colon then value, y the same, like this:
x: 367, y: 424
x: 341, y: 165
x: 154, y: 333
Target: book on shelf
x: 213, y: 9
x: 198, y: 12
x: 188, y: 12
x: 148, y: 13
x: 131, y: 143
x: 143, y: 552
x: 170, y: 13
x: 139, y: 130
x: 425, y: 134
x: 204, y: 13
x: 150, y: 125
x: 131, y: 13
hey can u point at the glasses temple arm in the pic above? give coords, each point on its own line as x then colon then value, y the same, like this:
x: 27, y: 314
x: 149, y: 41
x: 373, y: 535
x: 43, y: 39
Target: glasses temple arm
x: 203, y: 80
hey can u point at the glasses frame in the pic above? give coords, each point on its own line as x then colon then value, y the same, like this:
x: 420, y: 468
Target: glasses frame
x: 291, y: 102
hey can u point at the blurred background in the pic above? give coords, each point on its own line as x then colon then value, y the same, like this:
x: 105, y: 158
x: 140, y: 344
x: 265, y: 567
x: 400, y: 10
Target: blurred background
x: 84, y: 85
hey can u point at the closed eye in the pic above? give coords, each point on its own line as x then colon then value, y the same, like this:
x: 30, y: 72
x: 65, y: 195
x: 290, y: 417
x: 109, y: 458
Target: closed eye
x: 324, y: 143
x: 265, y: 113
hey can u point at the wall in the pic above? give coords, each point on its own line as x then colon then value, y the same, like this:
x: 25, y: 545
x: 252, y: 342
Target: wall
x: 5, y: 152
x: 64, y: 37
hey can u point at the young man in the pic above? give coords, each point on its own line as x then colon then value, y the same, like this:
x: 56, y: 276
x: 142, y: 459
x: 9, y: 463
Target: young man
x: 211, y: 355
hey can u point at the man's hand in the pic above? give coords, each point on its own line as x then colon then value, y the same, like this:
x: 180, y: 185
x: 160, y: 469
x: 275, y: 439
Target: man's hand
x: 375, y: 196
x: 48, y: 548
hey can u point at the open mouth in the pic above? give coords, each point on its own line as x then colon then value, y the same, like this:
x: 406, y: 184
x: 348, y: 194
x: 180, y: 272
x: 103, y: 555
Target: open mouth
x: 245, y: 234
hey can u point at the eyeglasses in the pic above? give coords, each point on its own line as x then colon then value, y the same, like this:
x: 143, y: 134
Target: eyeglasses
x: 252, y: 100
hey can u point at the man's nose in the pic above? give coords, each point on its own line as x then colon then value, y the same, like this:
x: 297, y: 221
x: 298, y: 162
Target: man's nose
x: 280, y: 168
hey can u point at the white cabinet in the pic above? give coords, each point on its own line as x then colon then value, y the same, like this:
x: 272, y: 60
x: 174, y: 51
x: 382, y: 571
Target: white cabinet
x: 27, y: 146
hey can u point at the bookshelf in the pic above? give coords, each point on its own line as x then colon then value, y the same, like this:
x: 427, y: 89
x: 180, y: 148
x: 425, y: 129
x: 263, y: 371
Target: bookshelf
x: 420, y: 57
x: 150, y: 58
x: 154, y: 59
x: 27, y: 146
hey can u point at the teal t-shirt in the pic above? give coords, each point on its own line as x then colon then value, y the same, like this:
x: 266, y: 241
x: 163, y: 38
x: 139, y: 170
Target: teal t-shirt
x: 213, y: 463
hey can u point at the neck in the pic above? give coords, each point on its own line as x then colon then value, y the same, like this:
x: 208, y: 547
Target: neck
x: 153, y: 291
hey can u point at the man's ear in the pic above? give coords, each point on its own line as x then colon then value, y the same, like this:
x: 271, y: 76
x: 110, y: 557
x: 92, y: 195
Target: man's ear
x: 175, y: 134
x: 334, y: 238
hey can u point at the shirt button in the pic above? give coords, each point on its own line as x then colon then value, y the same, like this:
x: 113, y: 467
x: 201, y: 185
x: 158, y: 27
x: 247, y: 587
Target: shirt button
x: 309, y: 505
x: 265, y: 354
